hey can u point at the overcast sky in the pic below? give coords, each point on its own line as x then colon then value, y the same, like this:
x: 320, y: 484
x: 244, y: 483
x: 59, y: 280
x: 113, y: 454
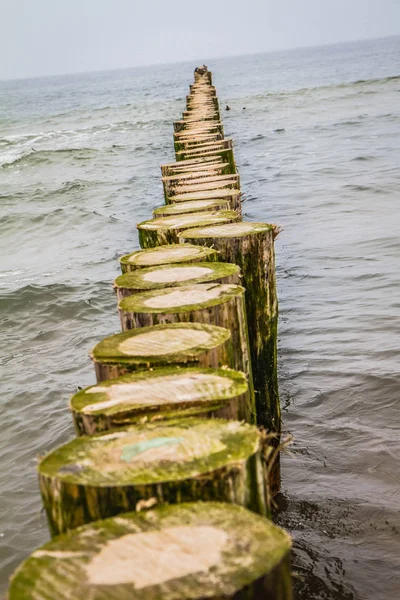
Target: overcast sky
x: 46, y: 37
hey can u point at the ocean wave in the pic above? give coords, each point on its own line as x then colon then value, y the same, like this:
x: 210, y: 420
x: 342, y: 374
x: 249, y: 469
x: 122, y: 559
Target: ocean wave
x: 36, y: 156
x: 333, y: 86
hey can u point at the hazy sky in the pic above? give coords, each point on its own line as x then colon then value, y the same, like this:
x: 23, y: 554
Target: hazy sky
x: 45, y: 37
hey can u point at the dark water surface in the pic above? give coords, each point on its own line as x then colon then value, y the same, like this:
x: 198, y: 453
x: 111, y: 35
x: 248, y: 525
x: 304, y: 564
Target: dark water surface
x: 318, y: 148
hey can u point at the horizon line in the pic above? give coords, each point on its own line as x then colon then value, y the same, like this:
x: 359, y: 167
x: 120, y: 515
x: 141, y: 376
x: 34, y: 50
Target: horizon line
x: 174, y: 62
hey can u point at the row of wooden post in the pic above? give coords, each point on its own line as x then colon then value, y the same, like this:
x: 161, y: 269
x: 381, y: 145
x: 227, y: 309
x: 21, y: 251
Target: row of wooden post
x: 166, y: 490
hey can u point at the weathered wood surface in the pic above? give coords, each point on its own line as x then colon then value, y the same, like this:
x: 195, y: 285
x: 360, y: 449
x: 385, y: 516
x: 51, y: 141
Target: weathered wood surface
x: 176, y: 344
x: 94, y: 477
x: 189, y: 551
x: 167, y: 254
x: 161, y: 394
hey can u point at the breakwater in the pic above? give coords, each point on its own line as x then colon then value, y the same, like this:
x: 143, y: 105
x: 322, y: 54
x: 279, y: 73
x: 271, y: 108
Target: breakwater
x: 185, y: 355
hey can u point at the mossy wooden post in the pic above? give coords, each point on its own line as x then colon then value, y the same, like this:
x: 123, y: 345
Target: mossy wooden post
x: 211, y: 303
x: 173, y: 344
x: 94, y: 477
x: 161, y: 394
x: 225, y: 154
x: 165, y: 230
x: 187, y: 166
x: 230, y: 182
x: 251, y: 246
x: 156, y: 278
x: 183, y: 177
x: 167, y: 254
x: 234, y: 197
x: 194, y: 206
x: 188, y: 551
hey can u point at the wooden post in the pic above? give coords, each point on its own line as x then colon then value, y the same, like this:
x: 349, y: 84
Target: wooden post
x: 162, y: 394
x: 164, y: 255
x: 206, y: 184
x: 195, y: 206
x: 165, y: 230
x: 165, y: 276
x: 173, y: 344
x: 189, y: 551
x: 234, y: 197
x: 251, y: 246
x: 211, y: 303
x: 95, y: 477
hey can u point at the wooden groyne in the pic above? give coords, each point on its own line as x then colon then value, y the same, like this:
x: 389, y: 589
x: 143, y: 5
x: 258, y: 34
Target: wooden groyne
x: 165, y: 493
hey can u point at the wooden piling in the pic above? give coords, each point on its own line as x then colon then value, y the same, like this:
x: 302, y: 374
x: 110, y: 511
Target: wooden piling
x: 189, y: 551
x: 251, y: 246
x: 165, y: 230
x: 178, y: 344
x: 165, y: 276
x: 159, y: 395
x: 167, y: 254
x: 94, y: 477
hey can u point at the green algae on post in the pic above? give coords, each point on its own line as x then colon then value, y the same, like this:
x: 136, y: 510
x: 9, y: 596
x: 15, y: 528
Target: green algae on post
x: 94, y: 477
x: 165, y: 230
x: 164, y: 393
x: 175, y: 275
x: 165, y: 255
x: 189, y: 551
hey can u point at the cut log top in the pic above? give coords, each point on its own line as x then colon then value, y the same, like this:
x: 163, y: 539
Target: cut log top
x: 181, y: 299
x: 164, y: 255
x: 193, y: 206
x: 185, y: 552
x: 172, y: 275
x: 172, y: 343
x: 205, y: 194
x: 189, y: 187
x: 145, y: 454
x: 182, y: 221
x: 202, y: 171
x: 241, y: 229
x: 162, y: 390
x: 206, y: 177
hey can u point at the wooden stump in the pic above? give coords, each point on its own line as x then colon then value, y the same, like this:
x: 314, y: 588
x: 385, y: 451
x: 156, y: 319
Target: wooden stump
x: 211, y: 303
x: 234, y: 197
x: 161, y: 394
x: 178, y: 344
x: 225, y: 155
x: 156, y: 278
x: 194, y: 206
x: 251, y: 246
x: 165, y: 255
x: 230, y: 182
x: 190, y: 551
x: 184, y: 182
x: 165, y: 230
x: 103, y: 475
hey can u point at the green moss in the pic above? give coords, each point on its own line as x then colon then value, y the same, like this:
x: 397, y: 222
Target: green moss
x: 204, y: 445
